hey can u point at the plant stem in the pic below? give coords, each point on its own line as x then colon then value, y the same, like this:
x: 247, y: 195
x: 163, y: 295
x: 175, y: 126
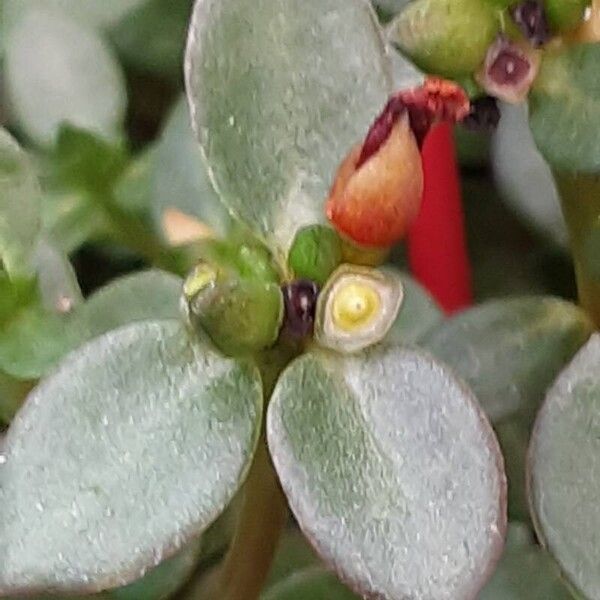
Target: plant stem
x: 262, y: 519
x: 133, y: 234
x: 436, y: 243
x: 580, y: 196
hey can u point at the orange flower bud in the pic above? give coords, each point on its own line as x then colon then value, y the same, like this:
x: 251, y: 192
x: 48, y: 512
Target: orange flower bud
x: 373, y: 203
x: 378, y: 188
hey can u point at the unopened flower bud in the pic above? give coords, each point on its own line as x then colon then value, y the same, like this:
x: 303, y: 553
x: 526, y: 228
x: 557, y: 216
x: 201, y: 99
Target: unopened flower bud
x: 315, y: 253
x: 377, y: 191
x: 356, y: 308
x: 509, y: 70
x: 240, y: 316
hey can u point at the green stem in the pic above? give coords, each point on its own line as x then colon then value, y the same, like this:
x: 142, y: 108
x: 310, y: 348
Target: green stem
x: 580, y: 196
x: 133, y: 234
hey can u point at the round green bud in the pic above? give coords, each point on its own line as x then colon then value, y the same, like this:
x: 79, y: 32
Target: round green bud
x: 446, y: 37
x: 241, y: 316
x: 315, y: 253
x: 564, y: 15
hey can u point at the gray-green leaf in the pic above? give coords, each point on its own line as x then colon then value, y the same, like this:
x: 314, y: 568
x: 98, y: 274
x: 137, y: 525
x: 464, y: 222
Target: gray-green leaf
x: 180, y: 177
x: 510, y: 351
x: 59, y: 70
x: 392, y: 471
x: 132, y: 448
x: 418, y: 314
x: 19, y: 207
x: 564, y: 459
x: 280, y: 91
x: 565, y: 108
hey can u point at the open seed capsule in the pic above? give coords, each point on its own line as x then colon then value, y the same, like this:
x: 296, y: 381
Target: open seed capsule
x: 315, y: 253
x: 241, y: 316
x: 356, y: 308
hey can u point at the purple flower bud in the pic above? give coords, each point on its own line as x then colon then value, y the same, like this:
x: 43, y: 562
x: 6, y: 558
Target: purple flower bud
x: 300, y: 300
x: 530, y: 17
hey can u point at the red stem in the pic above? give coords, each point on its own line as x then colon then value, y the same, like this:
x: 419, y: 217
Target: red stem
x: 436, y: 243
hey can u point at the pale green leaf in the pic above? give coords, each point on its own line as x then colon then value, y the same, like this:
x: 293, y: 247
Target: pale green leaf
x: 19, y: 207
x: 130, y: 450
x: 563, y: 470
x: 510, y: 351
x: 391, y: 470
x: 59, y: 70
x: 180, y: 178
x: 280, y: 91
x: 565, y: 108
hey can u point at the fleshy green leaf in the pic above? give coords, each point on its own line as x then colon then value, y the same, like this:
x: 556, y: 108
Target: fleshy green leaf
x: 142, y: 296
x: 19, y: 207
x: 58, y: 287
x: 563, y: 466
x: 279, y: 92
x: 131, y: 449
x: 33, y: 341
x: 313, y: 584
x: 181, y: 179
x: 59, y: 70
x: 510, y: 351
x: 523, y: 176
x: 92, y: 12
x: 565, y: 108
x: 293, y: 554
x: 525, y: 572
x: 391, y: 470
x: 12, y: 394
x: 418, y: 314
x: 152, y: 37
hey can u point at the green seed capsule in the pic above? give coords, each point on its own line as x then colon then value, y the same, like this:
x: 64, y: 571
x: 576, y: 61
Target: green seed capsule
x: 446, y: 37
x: 316, y: 253
x: 241, y: 316
x: 357, y: 308
x: 565, y: 15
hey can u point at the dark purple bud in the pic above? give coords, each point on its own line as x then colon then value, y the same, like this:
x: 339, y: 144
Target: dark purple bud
x: 484, y: 115
x: 300, y: 299
x: 530, y: 17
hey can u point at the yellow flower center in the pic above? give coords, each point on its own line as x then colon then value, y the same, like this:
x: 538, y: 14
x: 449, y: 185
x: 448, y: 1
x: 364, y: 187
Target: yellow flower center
x: 355, y: 305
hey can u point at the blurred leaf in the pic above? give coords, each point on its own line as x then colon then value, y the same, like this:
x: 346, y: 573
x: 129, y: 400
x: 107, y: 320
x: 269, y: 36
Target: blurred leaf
x: 57, y: 282
x: 510, y: 351
x: 92, y: 12
x: 142, y: 296
x: 391, y: 470
x: 12, y: 395
x: 472, y: 147
x: 59, y: 70
x: 133, y: 189
x: 280, y: 91
x: 152, y: 37
x: 293, y: 554
x: 563, y: 470
x: 523, y: 176
x: 19, y: 207
x: 525, y: 572
x: 163, y: 581
x: 391, y: 7
x: 142, y: 410
x: 418, y: 314
x: 565, y: 108
x: 313, y: 584
x: 404, y: 73
x: 180, y: 177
